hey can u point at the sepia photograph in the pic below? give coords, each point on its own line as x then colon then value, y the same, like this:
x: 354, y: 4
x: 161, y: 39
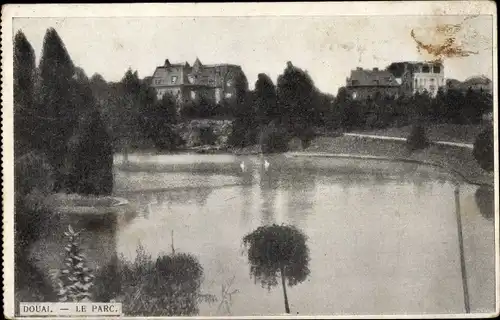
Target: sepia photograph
x: 250, y: 160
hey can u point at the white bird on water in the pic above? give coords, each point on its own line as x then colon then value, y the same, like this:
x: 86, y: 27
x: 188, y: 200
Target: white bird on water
x: 266, y: 164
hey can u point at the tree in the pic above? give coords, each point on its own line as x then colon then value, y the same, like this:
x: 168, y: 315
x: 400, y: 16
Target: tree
x: 265, y: 100
x: 92, y: 159
x: 417, y: 139
x: 296, y: 99
x: 273, y: 138
x: 483, y: 150
x: 245, y: 126
x: 24, y: 77
x: 59, y: 113
x: 278, y: 251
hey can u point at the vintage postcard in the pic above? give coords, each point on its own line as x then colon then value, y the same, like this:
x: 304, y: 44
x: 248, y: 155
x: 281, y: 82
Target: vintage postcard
x: 250, y: 160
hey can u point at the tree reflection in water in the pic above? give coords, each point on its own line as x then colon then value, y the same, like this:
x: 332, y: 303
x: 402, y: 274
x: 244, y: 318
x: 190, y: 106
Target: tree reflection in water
x: 246, y: 189
x: 269, y: 182
x: 485, y: 202
x: 301, y: 193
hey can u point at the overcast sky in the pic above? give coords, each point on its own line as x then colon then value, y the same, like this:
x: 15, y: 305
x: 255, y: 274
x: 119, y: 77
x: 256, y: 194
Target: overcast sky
x: 328, y: 47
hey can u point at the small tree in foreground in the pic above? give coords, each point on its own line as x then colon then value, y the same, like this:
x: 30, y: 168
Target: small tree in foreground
x: 278, y: 251
x: 75, y: 281
x: 417, y: 139
x: 483, y: 150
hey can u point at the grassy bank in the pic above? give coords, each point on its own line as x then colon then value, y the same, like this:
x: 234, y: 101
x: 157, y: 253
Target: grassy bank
x: 457, y: 159
x: 436, y: 132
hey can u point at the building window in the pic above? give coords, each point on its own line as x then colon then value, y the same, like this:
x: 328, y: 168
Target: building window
x: 375, y: 82
x: 157, y: 81
x: 173, y: 79
x: 437, y: 69
x: 354, y: 82
x: 425, y: 69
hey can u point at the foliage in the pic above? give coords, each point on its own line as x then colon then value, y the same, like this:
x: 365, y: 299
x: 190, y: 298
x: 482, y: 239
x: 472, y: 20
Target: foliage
x: 245, y: 126
x: 273, y: 247
x: 159, y: 119
x: 169, y: 286
x: 92, y: 159
x: 278, y: 250
x: 265, y: 100
x: 296, y: 99
x: 485, y: 198
x: 75, y: 281
x: 24, y: 78
x: 58, y: 99
x: 417, y: 139
x: 483, y: 149
x: 207, y: 136
x: 274, y: 138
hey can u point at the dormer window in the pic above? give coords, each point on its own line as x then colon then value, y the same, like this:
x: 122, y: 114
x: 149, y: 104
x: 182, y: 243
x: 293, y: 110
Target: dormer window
x: 173, y: 79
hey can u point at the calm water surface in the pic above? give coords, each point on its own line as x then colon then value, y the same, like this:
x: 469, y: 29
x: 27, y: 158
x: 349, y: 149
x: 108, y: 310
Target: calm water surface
x: 382, y: 236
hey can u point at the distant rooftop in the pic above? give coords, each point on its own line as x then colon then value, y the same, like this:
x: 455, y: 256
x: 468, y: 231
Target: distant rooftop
x: 371, y: 77
x: 196, y: 63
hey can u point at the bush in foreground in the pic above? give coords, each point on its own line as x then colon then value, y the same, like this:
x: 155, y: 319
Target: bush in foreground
x: 169, y: 286
x: 483, y: 150
x: 273, y: 138
x: 417, y: 140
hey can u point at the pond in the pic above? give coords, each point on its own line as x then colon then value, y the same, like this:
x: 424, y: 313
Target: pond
x: 382, y: 236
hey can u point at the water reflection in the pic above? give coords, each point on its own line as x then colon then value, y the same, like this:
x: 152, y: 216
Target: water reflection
x: 485, y: 202
x: 378, y: 223
x: 301, y: 194
x: 269, y: 182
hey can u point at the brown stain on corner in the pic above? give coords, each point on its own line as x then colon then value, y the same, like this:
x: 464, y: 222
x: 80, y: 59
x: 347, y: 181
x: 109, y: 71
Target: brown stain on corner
x: 448, y: 47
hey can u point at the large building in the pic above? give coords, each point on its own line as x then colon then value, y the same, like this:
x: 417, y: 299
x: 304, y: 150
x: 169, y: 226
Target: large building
x: 367, y: 83
x: 188, y: 83
x: 418, y: 76
x: 399, y: 78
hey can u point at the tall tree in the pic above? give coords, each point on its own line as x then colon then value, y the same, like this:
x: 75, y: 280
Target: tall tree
x: 296, y: 99
x: 24, y: 77
x: 158, y: 120
x: 56, y: 102
x: 92, y: 158
x: 278, y: 251
x: 265, y: 99
x: 244, y: 131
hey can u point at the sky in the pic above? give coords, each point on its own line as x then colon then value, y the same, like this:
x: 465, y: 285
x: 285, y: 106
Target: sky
x: 328, y: 47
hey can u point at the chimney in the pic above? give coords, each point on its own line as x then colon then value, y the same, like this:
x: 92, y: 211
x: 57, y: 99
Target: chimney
x: 375, y: 69
x: 167, y: 63
x: 359, y: 68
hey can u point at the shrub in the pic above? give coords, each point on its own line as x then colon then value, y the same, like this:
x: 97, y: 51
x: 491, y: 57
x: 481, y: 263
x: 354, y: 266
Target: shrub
x: 169, y: 286
x: 274, y: 139
x: 74, y: 282
x: 207, y: 136
x: 417, y: 139
x: 33, y: 173
x: 34, y: 180
x: 483, y: 150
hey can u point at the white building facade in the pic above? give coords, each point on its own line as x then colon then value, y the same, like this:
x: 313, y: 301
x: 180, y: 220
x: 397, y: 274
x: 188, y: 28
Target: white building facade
x: 428, y: 76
